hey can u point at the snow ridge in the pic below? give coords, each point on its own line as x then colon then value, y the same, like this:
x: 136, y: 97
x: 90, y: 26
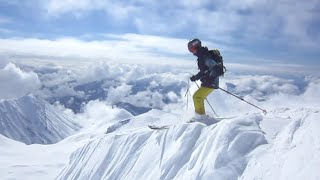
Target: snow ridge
x: 34, y: 121
x: 294, y: 152
x: 184, y: 151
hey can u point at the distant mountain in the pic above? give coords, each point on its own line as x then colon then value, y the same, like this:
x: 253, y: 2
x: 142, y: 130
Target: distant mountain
x: 132, y: 109
x: 33, y: 121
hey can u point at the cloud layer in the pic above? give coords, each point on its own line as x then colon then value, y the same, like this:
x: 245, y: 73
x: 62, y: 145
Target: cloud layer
x: 138, y: 88
x: 88, y: 92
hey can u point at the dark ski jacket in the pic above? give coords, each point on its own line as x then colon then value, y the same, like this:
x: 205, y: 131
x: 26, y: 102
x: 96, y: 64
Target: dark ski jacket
x: 210, y: 67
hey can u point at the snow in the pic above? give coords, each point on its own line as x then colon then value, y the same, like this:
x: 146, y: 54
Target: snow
x: 181, y: 152
x: 19, y: 161
x: 106, y: 141
x: 294, y: 153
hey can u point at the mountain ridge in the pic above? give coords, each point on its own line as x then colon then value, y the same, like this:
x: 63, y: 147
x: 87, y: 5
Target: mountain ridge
x: 31, y: 120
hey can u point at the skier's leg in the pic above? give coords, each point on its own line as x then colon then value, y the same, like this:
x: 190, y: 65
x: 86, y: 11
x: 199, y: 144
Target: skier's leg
x: 198, y: 99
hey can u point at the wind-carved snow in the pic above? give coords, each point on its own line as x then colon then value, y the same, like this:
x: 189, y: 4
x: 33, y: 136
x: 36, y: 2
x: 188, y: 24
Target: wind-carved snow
x: 294, y: 153
x: 33, y: 121
x: 184, y: 151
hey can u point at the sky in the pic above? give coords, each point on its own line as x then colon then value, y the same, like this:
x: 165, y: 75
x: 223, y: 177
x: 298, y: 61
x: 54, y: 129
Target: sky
x: 249, y: 31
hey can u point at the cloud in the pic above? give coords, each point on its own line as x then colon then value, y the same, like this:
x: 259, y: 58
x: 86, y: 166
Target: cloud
x: 65, y: 90
x: 157, y: 86
x: 308, y: 99
x: 127, y: 48
x: 98, y: 110
x: 94, y: 73
x: 274, y: 67
x: 264, y: 85
x: 57, y: 8
x: 6, y: 31
x: 311, y: 95
x: 79, y: 8
x: 250, y: 28
x: 5, y: 20
x: 15, y: 83
x: 97, y: 113
x: 118, y: 94
x: 3, y: 62
x: 220, y: 20
x: 140, y: 85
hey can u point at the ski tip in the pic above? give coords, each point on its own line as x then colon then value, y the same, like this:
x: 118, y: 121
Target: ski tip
x: 264, y: 112
x: 155, y: 127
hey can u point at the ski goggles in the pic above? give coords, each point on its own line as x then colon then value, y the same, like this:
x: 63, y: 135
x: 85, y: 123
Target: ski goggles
x: 193, y: 49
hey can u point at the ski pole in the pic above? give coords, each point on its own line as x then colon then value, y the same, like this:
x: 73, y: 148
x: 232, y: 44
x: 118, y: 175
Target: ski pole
x: 187, y: 94
x: 263, y: 110
x: 208, y: 102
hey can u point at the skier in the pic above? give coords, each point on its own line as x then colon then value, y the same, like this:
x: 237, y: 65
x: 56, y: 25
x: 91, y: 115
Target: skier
x: 210, y: 65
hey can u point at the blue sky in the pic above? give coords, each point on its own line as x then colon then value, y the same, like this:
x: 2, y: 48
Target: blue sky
x: 255, y: 31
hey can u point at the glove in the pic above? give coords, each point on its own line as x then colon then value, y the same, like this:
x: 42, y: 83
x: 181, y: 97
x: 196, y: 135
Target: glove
x: 193, y: 78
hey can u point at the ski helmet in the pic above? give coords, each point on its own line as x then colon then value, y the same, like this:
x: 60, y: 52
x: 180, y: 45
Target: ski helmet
x: 194, y: 45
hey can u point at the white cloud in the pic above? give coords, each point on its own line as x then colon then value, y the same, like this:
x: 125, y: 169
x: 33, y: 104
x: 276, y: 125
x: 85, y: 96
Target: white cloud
x: 3, y: 62
x: 134, y: 72
x: 55, y: 7
x: 164, y: 87
x: 274, y: 68
x: 308, y: 99
x: 94, y: 72
x: 128, y: 48
x: 260, y: 86
x: 15, y: 83
x: 78, y: 8
x: 65, y: 90
x: 96, y: 112
x: 118, y: 93
x: 140, y: 85
x: 157, y: 100
x: 172, y: 96
x: 311, y: 95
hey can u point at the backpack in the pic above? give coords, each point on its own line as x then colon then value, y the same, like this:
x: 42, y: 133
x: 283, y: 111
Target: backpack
x: 216, y: 56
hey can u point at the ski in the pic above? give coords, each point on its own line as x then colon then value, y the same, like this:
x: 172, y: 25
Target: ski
x: 160, y: 127
x: 156, y: 127
x: 208, y: 123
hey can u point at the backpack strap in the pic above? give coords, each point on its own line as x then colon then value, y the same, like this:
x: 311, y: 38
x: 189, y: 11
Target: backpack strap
x: 216, y: 55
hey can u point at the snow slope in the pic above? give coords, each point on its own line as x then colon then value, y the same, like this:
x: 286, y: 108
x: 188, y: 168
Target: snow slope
x: 284, y: 144
x: 184, y: 151
x: 31, y: 120
x: 32, y: 162
x: 293, y: 154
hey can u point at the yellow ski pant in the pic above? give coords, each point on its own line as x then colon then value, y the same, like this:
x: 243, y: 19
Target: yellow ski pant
x: 198, y: 99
